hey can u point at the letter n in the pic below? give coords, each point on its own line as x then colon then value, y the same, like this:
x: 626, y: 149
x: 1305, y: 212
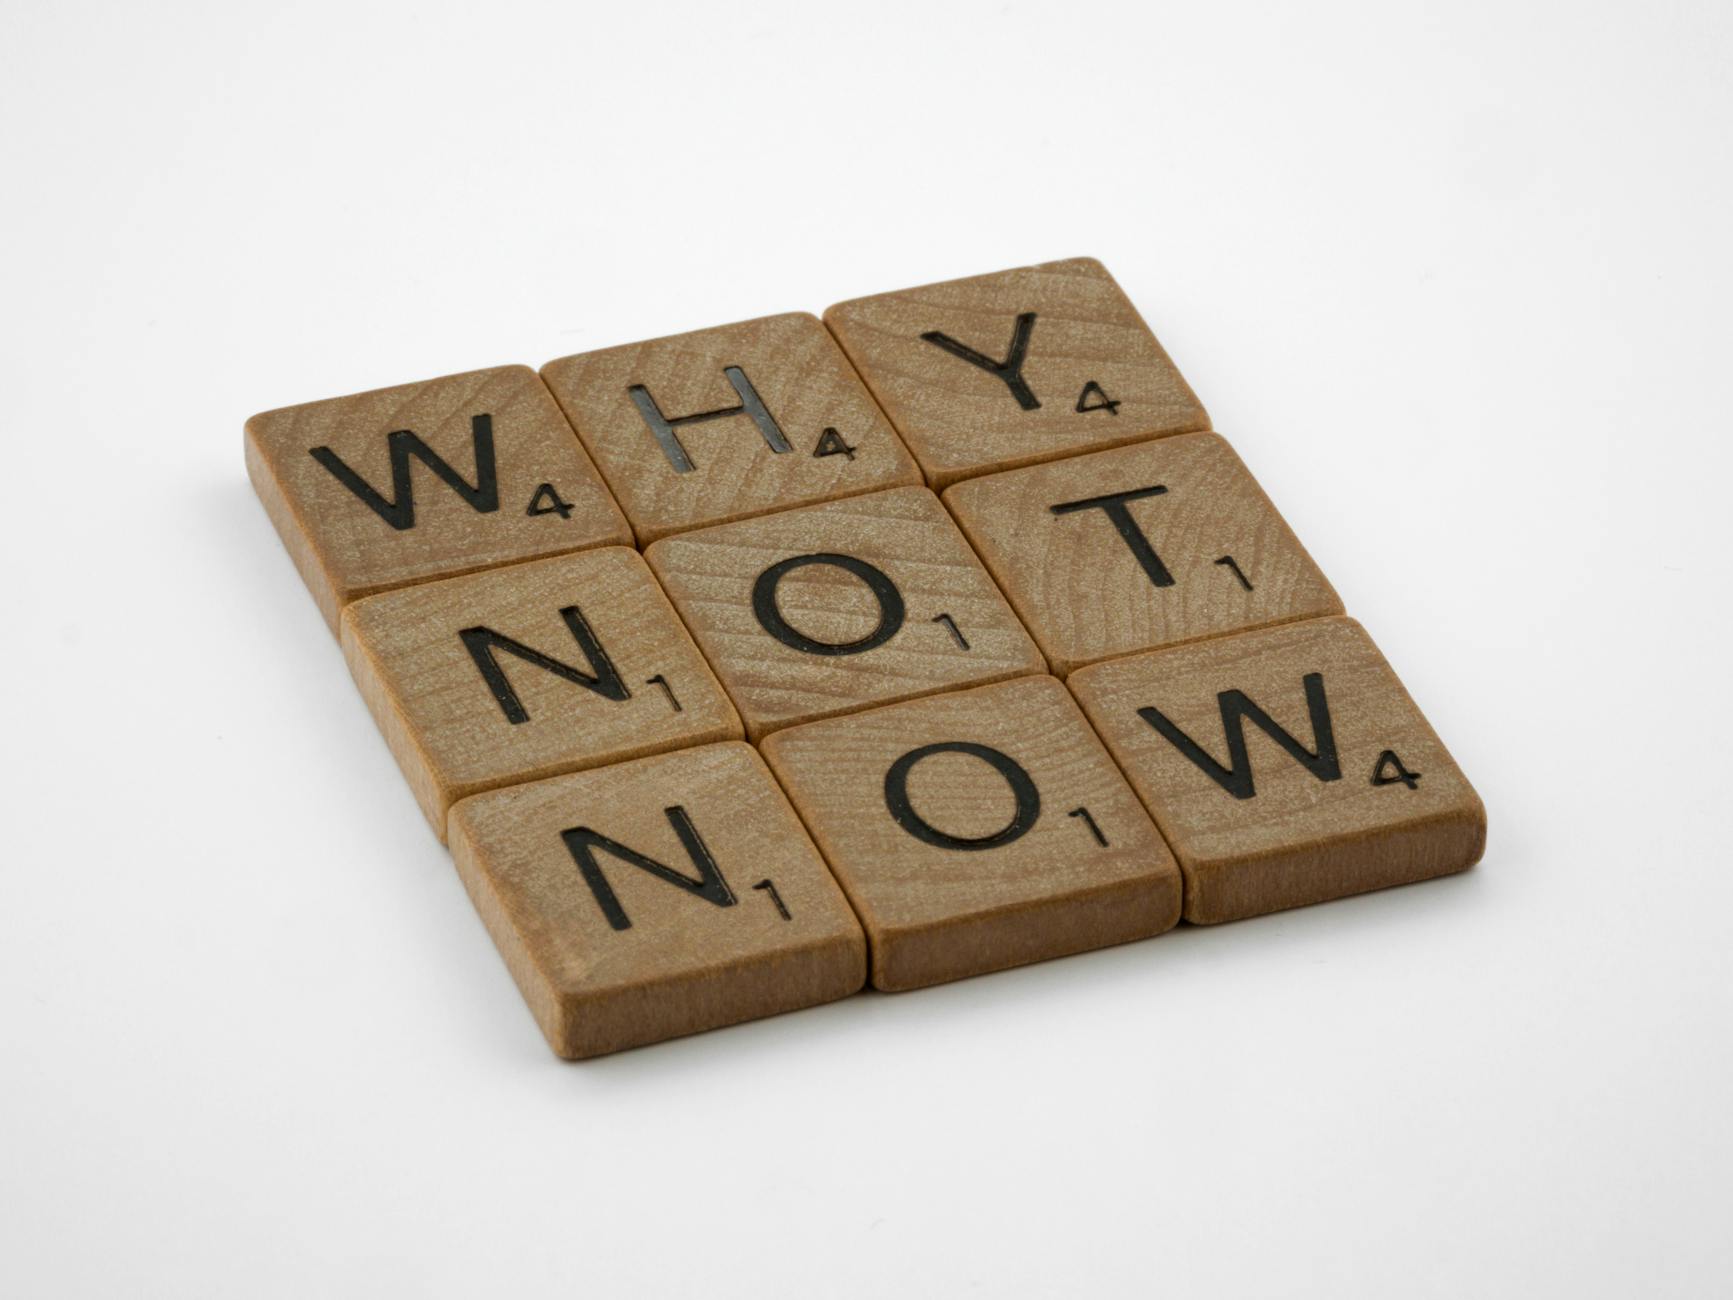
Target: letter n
x: 603, y: 678
x: 582, y: 843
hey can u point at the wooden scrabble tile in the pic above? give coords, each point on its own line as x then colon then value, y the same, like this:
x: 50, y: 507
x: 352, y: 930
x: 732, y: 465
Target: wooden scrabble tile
x: 815, y: 612
x: 529, y: 671
x: 426, y: 480
x: 1285, y: 767
x: 1002, y: 370
x: 1139, y: 547
x: 656, y: 898
x: 729, y: 422
x: 978, y: 830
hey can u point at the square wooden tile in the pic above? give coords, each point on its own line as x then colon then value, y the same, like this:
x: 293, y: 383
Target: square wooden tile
x: 729, y: 422
x: 978, y: 830
x: 1009, y: 369
x: 1285, y: 767
x: 529, y: 671
x: 426, y: 480
x: 815, y: 612
x: 1139, y: 547
x: 656, y: 898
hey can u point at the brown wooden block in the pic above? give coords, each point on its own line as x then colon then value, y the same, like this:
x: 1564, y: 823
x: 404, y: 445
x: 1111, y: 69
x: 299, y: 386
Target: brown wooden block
x: 529, y: 671
x: 1139, y: 547
x: 729, y: 422
x: 656, y: 898
x: 814, y: 612
x: 1285, y: 767
x: 1009, y: 369
x: 427, y: 480
x: 978, y: 830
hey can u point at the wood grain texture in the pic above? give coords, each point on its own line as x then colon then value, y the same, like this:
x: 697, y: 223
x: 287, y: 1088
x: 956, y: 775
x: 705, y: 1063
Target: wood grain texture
x: 936, y: 911
x: 449, y: 727
x: 903, y: 648
x: 732, y: 471
x: 346, y: 548
x: 632, y: 956
x: 1221, y: 559
x: 961, y: 418
x: 1271, y: 830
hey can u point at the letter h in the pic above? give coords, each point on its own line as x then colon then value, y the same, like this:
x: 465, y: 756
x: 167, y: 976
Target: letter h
x: 751, y: 405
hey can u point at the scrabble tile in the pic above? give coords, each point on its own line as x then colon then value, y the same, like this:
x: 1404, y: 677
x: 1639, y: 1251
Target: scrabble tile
x: 1009, y: 369
x: 814, y: 612
x: 1139, y: 547
x: 978, y: 830
x: 529, y: 671
x: 426, y: 480
x: 656, y: 898
x: 1284, y: 767
x: 729, y: 422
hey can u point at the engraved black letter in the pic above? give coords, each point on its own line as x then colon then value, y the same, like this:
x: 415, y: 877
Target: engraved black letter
x: 481, y: 642
x: 1010, y: 370
x: 399, y: 512
x: 1237, y: 706
x: 1022, y: 790
x: 582, y: 842
x: 1114, y: 503
x: 750, y: 405
x: 878, y: 582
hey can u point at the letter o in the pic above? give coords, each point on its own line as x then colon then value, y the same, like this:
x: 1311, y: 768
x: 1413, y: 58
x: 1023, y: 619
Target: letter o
x: 883, y: 589
x: 1022, y: 790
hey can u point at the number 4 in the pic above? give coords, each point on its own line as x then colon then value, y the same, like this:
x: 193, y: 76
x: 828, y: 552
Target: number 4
x: 547, y: 501
x: 1106, y: 403
x: 830, y: 443
x: 1390, y: 770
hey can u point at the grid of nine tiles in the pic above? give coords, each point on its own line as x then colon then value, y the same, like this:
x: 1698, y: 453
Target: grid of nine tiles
x: 749, y: 666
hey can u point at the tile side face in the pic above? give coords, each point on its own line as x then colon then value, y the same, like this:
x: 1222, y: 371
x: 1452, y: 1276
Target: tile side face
x: 1021, y: 366
x: 728, y: 423
x: 978, y: 830
x: 524, y: 672
x: 1138, y: 548
x: 1284, y: 767
x: 428, y: 480
x: 656, y: 898
x: 837, y: 607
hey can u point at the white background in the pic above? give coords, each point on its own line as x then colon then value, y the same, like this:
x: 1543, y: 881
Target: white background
x: 1453, y: 277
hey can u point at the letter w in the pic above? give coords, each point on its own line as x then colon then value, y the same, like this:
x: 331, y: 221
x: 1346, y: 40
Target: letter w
x: 481, y: 642
x: 582, y: 843
x: 1236, y: 708
x: 399, y: 509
